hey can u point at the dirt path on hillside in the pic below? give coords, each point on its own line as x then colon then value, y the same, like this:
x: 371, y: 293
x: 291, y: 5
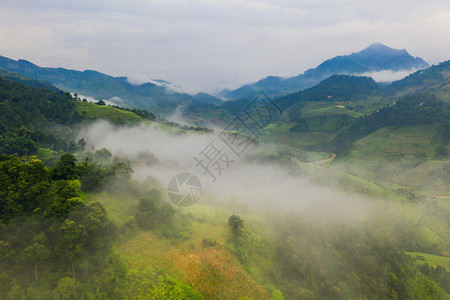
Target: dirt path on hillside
x: 437, y: 196
x: 333, y: 156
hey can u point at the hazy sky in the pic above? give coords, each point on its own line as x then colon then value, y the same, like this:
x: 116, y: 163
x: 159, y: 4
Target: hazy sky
x: 209, y: 45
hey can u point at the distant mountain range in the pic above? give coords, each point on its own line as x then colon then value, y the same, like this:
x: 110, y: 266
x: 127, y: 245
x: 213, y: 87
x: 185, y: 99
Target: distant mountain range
x: 376, y: 57
x: 332, y: 116
x: 336, y: 89
x: 156, y: 97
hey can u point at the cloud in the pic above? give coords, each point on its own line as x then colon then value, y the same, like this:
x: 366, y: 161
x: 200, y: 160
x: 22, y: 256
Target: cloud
x: 388, y: 75
x: 260, y: 186
x: 210, y: 45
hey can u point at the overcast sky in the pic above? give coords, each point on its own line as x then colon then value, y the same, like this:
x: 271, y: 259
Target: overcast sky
x: 209, y: 45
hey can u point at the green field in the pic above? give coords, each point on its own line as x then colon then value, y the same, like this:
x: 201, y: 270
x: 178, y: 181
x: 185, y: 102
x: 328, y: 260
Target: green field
x: 414, y: 141
x: 192, y: 261
x: 311, y: 123
x: 430, y: 259
x: 333, y: 109
x: 112, y: 114
x: 280, y: 133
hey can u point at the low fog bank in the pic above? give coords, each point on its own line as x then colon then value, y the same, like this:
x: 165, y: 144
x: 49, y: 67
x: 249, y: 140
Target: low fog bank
x: 388, y: 75
x: 260, y: 185
x: 112, y: 101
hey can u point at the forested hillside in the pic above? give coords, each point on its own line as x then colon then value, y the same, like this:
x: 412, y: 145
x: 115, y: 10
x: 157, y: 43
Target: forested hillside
x: 416, y: 109
x: 26, y: 112
x: 433, y: 80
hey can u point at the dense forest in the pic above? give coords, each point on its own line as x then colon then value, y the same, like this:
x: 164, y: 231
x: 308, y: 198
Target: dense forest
x: 25, y: 114
x: 55, y: 245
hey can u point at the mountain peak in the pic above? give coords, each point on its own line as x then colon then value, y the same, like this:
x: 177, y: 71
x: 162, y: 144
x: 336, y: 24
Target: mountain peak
x: 382, y: 49
x: 377, y: 46
x: 374, y: 58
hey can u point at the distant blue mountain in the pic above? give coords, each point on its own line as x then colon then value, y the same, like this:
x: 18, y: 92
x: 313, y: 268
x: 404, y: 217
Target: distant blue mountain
x: 156, y: 98
x: 376, y: 57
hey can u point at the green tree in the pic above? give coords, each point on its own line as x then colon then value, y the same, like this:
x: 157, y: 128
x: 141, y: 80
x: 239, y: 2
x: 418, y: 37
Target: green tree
x: 67, y: 288
x: 66, y: 168
x: 81, y: 144
x: 237, y: 226
x: 93, y: 176
x: 66, y: 189
x: 66, y: 201
x: 6, y: 252
x: 151, y: 215
x: 35, y: 254
x: 34, y: 185
x: 146, y: 216
x: 100, y: 231
x: 23, y: 187
x: 123, y: 170
x: 441, y: 152
x: 62, y: 208
x: 103, y: 155
x: 71, y: 242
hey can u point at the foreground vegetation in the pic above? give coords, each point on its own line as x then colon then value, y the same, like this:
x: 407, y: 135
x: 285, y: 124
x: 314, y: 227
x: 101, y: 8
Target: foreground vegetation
x: 74, y: 224
x: 60, y: 240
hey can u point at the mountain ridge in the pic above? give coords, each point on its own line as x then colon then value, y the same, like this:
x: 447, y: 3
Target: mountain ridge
x: 376, y: 57
x: 95, y: 84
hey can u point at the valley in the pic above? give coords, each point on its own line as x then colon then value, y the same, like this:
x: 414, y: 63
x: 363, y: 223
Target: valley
x: 343, y: 195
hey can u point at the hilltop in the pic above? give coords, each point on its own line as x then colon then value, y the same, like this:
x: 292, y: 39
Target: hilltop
x: 435, y: 79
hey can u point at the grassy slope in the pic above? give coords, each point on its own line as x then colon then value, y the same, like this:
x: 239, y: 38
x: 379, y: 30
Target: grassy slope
x: 112, y: 114
x: 279, y: 133
x: 285, y: 134
x: 432, y: 260
x: 314, y: 109
x: 393, y: 143
x: 350, y: 183
x: 322, y: 118
x: 121, y: 117
x: 212, y: 271
x: 407, y: 154
x: 431, y: 177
